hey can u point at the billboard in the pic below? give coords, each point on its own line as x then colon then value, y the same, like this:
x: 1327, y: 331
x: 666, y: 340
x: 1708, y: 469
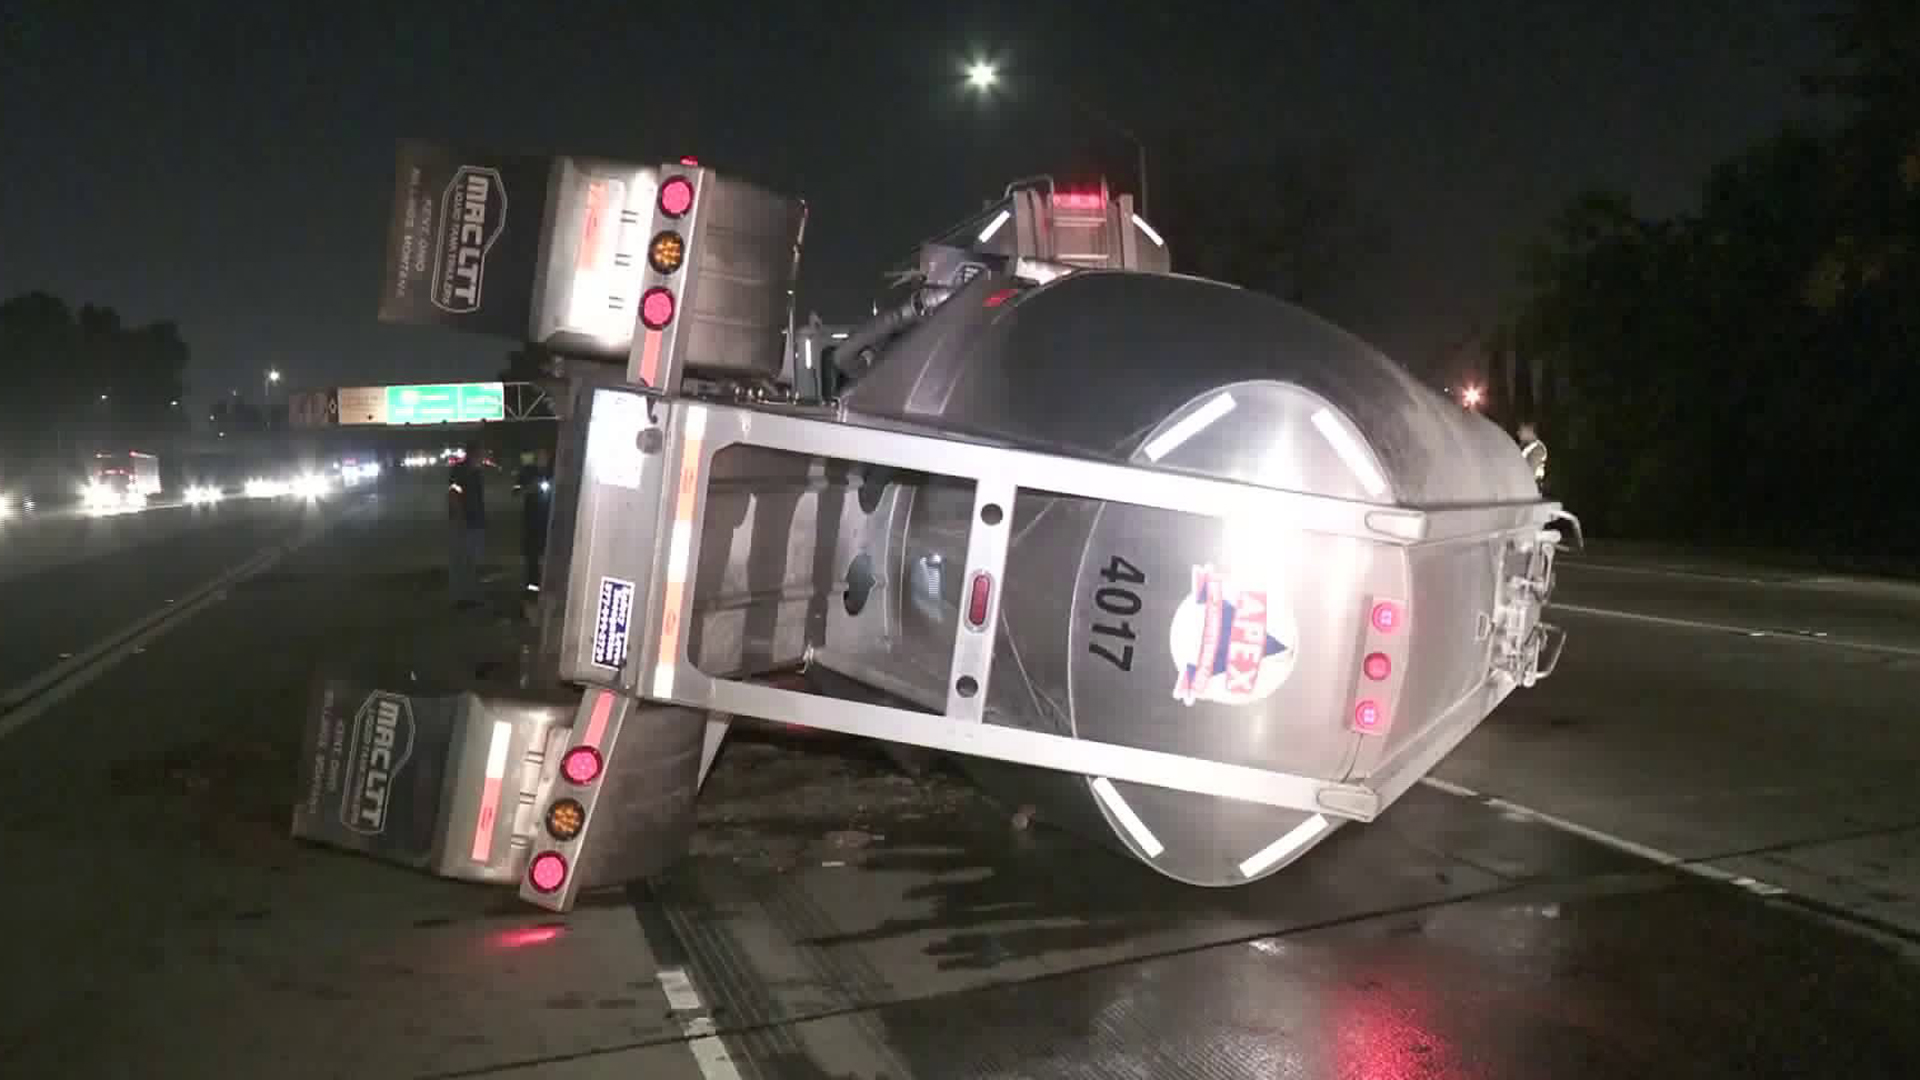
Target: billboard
x: 464, y: 238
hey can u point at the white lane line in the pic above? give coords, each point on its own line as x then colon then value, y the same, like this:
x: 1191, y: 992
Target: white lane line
x: 60, y: 682
x: 1608, y: 840
x: 709, y: 1053
x: 1667, y: 571
x: 1811, y: 638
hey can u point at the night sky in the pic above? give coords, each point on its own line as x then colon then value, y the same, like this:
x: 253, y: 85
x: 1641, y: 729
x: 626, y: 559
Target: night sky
x: 231, y: 168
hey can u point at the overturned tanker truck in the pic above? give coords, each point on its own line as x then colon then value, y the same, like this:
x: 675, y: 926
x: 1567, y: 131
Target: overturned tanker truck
x: 1188, y: 569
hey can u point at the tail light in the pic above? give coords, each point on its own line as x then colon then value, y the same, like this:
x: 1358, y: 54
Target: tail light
x: 656, y: 308
x: 1383, y: 656
x: 1387, y: 616
x: 548, y: 871
x: 676, y: 196
x: 565, y: 819
x: 581, y: 766
x: 667, y: 252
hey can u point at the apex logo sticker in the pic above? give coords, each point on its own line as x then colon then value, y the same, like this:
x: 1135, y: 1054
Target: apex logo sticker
x: 380, y: 743
x: 1232, y: 641
x: 473, y: 214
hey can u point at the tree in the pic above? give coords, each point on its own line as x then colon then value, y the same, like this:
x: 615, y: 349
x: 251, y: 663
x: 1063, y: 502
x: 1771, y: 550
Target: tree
x: 1282, y: 218
x: 80, y: 377
x: 1739, y: 372
x: 1874, y: 193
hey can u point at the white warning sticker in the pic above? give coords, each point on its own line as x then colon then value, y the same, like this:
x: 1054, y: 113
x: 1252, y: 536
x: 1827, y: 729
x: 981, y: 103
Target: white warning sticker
x: 613, y: 617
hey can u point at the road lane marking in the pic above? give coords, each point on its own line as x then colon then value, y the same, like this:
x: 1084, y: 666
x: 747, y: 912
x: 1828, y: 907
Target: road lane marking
x: 709, y: 1053
x: 1673, y: 572
x: 1698, y: 868
x: 23, y: 704
x: 1804, y: 637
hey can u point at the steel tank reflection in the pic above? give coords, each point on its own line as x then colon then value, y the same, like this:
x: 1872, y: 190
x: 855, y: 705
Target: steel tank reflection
x: 1247, y: 641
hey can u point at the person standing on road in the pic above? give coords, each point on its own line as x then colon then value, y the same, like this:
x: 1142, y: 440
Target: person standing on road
x: 467, y: 527
x: 535, y: 486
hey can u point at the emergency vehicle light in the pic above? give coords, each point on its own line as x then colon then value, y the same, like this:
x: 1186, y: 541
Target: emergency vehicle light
x: 666, y: 252
x: 548, y: 871
x: 676, y: 196
x: 582, y: 765
x: 656, y: 308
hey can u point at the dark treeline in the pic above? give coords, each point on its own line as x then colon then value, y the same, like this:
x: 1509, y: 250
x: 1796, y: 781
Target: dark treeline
x: 1749, y: 372
x: 79, y: 380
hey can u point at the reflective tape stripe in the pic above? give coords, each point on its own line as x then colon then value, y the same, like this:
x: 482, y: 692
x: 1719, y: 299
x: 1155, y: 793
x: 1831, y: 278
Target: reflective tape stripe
x: 490, y: 791
x: 679, y: 550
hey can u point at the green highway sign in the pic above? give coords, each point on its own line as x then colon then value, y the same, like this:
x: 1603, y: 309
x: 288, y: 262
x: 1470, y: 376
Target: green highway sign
x: 446, y: 403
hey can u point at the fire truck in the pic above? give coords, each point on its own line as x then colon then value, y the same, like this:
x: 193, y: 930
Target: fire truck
x: 1186, y: 568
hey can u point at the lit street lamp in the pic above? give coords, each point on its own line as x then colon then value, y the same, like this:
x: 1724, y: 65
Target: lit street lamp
x: 266, y: 398
x: 1470, y: 397
x: 983, y: 76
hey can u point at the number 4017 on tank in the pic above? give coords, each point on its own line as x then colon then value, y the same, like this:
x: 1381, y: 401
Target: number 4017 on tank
x: 1112, y: 640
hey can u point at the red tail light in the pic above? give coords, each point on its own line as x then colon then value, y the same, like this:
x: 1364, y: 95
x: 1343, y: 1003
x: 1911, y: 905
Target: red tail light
x: 548, y: 871
x: 676, y: 196
x: 656, y: 308
x: 1387, y: 616
x: 1377, y: 666
x: 1079, y: 200
x: 581, y: 765
x: 1367, y: 715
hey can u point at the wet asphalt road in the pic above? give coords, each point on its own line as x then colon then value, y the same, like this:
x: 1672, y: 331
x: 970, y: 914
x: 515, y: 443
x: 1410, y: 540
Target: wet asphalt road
x: 67, y: 581
x: 839, y: 919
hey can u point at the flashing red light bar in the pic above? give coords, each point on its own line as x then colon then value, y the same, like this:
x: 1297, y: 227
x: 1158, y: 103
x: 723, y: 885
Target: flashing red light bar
x: 1079, y: 200
x: 676, y: 196
x: 656, y: 308
x: 548, y: 871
